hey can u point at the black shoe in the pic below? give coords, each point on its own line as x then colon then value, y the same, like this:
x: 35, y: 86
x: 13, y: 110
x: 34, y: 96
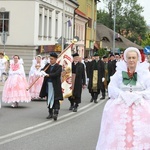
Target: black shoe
x: 91, y: 100
x: 55, y: 117
x: 49, y: 116
x: 95, y: 101
x: 102, y: 98
x: 71, y: 107
x: 75, y: 109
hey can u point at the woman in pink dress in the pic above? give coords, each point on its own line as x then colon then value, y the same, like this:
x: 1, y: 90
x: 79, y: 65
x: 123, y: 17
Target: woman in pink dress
x: 37, y: 65
x: 14, y: 90
x: 126, y: 117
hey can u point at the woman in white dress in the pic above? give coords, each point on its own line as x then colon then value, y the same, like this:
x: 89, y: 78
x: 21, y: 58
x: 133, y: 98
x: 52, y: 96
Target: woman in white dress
x: 125, y: 122
x: 37, y: 65
x: 3, y: 66
x: 14, y: 90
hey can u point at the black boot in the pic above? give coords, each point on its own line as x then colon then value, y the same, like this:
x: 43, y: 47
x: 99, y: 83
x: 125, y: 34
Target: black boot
x: 50, y: 114
x: 75, y: 109
x: 103, y: 97
x: 55, y: 114
x: 95, y: 101
x: 91, y: 99
x: 71, y: 106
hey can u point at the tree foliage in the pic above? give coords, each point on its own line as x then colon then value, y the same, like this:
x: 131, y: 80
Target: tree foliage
x: 146, y: 42
x: 129, y: 21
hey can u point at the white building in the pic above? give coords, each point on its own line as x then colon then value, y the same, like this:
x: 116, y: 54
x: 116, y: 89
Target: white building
x: 34, y: 26
x: 81, y: 21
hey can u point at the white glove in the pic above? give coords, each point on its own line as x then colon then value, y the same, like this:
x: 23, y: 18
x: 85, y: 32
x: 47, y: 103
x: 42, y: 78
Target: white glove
x: 32, y: 74
x: 103, y: 79
x: 43, y: 73
x: 129, y: 98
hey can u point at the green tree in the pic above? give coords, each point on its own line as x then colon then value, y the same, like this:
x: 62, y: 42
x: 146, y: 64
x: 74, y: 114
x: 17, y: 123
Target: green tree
x: 129, y: 21
x: 146, y: 42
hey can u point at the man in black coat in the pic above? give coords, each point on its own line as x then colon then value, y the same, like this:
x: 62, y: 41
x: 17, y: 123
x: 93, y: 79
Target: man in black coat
x: 96, y: 78
x: 112, y: 64
x: 87, y: 63
x: 78, y: 82
x: 51, y: 87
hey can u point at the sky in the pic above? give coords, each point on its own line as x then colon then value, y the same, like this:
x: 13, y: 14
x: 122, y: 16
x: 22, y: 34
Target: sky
x: 144, y: 3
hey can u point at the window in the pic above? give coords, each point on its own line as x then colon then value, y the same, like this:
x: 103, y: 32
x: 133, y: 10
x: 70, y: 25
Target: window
x: 90, y: 23
x: 4, y: 22
x: 45, y: 22
x: 40, y: 24
x: 45, y: 26
x: 56, y: 26
x: 50, y: 24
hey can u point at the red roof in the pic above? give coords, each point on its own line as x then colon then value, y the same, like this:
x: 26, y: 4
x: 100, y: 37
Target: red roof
x: 80, y: 13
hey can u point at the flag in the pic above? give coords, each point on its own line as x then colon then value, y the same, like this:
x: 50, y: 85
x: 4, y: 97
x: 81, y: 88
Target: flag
x: 147, y: 50
x: 65, y: 59
x: 69, y: 23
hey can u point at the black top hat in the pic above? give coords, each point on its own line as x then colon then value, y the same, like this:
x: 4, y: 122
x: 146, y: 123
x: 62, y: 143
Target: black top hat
x: 111, y: 55
x: 53, y: 54
x: 75, y: 54
x: 105, y: 57
x: 116, y: 53
x: 96, y: 54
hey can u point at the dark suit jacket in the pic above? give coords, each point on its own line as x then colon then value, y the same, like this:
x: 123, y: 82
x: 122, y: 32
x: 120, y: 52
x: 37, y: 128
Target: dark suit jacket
x: 101, y: 74
x: 55, y: 77
x: 79, y: 80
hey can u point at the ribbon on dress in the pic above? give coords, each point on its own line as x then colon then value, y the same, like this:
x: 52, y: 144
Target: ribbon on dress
x: 127, y: 80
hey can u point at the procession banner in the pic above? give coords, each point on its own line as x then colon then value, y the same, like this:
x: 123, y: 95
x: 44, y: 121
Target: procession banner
x: 65, y: 59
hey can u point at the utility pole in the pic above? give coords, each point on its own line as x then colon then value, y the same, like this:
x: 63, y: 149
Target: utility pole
x: 114, y: 17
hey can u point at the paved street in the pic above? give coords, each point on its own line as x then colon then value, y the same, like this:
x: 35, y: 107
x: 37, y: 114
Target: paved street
x: 26, y: 127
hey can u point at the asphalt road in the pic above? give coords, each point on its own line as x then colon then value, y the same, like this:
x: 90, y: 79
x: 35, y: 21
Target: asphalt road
x: 26, y: 127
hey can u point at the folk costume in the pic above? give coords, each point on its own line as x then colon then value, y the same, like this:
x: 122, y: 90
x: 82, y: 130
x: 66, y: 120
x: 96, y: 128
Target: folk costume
x: 106, y: 72
x: 78, y: 81
x: 97, y: 73
x: 126, y: 116
x: 14, y: 90
x: 113, y: 64
x: 51, y: 88
x: 110, y: 72
x: 37, y: 65
x: 87, y: 64
x: 3, y: 67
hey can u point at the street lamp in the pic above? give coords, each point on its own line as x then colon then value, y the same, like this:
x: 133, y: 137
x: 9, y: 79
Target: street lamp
x: 114, y: 17
x: 3, y: 35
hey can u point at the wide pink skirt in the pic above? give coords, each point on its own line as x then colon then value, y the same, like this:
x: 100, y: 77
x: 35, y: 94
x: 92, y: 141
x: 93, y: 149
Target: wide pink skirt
x: 15, y: 90
x: 36, y: 88
x: 125, y: 128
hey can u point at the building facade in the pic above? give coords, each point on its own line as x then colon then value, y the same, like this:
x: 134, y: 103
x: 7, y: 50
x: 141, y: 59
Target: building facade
x: 81, y: 21
x: 35, y: 27
x: 89, y: 7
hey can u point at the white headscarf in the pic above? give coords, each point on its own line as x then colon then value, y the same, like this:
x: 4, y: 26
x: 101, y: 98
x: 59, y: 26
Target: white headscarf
x: 132, y: 49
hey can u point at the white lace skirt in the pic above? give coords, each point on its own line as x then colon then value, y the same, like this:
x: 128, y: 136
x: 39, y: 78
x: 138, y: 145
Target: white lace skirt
x: 125, y: 128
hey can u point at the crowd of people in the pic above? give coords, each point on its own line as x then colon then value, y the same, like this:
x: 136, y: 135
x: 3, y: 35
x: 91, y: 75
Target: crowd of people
x: 125, y: 77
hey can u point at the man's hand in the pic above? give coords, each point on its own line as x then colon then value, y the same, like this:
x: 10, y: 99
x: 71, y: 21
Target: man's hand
x: 103, y: 79
x: 43, y: 73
